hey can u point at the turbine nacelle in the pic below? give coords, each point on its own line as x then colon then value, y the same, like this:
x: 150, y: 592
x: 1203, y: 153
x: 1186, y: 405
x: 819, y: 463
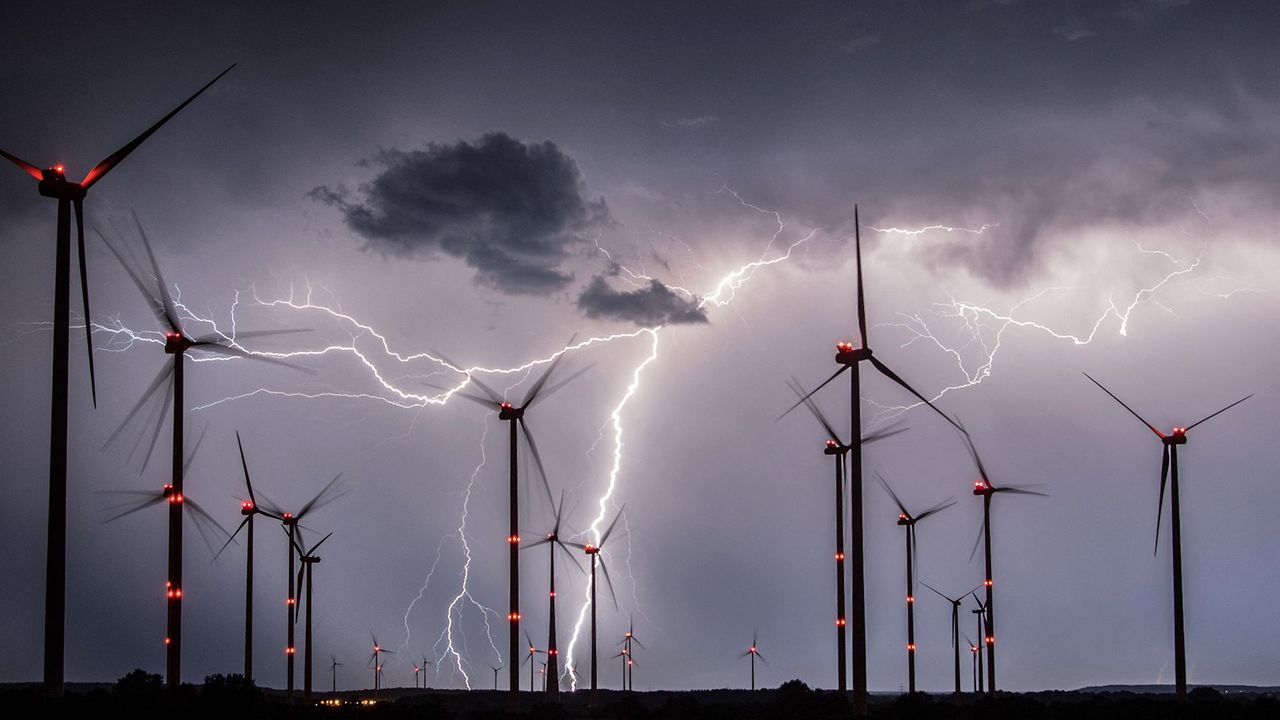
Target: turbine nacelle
x: 506, y: 411
x: 247, y: 507
x: 904, y: 519
x: 980, y: 487
x: 175, y: 342
x: 54, y: 184
x: 834, y: 448
x: 847, y: 354
x: 1177, y: 437
x: 591, y: 549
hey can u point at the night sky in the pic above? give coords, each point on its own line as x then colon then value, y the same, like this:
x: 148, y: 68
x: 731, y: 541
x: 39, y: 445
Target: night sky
x: 484, y: 180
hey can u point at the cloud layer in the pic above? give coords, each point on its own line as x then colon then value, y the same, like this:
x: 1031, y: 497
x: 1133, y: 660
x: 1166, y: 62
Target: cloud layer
x: 655, y: 304
x: 513, y: 211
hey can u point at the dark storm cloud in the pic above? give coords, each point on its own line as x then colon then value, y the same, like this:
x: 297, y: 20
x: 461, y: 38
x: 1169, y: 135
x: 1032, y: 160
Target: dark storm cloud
x: 514, y: 211
x: 656, y: 304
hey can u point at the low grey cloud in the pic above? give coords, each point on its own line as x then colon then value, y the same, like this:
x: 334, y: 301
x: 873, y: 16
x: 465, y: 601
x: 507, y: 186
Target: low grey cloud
x: 511, y: 210
x: 654, y: 304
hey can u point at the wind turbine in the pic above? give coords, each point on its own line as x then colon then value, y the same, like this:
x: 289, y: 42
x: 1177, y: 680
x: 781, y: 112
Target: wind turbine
x: 838, y: 449
x: 290, y: 523
x: 984, y: 488
x: 1169, y: 475
x: 850, y: 358
x: 416, y: 670
x: 553, y: 542
x: 983, y: 632
x: 754, y: 652
x: 908, y: 521
x: 628, y: 638
x: 626, y: 658
x: 248, y: 508
x: 515, y: 415
x: 495, y: 670
x: 528, y: 658
x: 204, y: 523
x: 54, y: 184
x: 593, y: 551
x: 308, y: 559
x: 334, y: 665
x: 376, y: 659
x: 177, y: 343
x: 955, y: 626
x: 425, y: 664
x: 976, y: 652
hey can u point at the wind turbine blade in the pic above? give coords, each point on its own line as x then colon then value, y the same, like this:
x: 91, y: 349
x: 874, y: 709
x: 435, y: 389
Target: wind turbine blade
x: 191, y: 455
x: 537, y: 459
x: 813, y: 409
x: 1246, y: 397
x: 1126, y: 407
x: 170, y: 312
x: 135, y: 508
x: 297, y: 606
x: 315, y: 547
x: 896, y: 501
x: 217, y: 349
x: 155, y: 436
x: 982, y: 528
x: 884, y: 370
x: 494, y: 397
x: 936, y: 509
x: 571, y: 556
x: 1016, y: 490
x: 27, y: 167
x: 608, y: 581
x: 542, y: 541
x: 248, y: 483
x: 612, y: 525
x: 204, y: 523
x: 935, y: 591
x: 551, y: 389
x: 857, y: 249
x: 1164, y: 476
x: 104, y: 167
x: 810, y: 394
x: 883, y: 433
x: 559, y: 510
x: 153, y: 303
x: 321, y: 498
x: 973, y: 453
x: 542, y: 380
x: 242, y: 334
x: 226, y: 544
x: 84, y: 294
x: 469, y: 396
x: 201, y: 512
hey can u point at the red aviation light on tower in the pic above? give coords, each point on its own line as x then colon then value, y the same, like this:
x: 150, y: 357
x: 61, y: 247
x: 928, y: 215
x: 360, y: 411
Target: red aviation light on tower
x: 505, y: 406
x: 844, y: 346
x: 591, y: 549
x: 832, y: 444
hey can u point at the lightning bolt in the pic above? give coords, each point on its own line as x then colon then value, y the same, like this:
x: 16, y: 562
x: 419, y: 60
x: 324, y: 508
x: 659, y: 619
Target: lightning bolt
x: 983, y: 329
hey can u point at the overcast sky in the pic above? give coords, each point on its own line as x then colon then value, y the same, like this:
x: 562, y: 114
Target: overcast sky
x: 483, y: 180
